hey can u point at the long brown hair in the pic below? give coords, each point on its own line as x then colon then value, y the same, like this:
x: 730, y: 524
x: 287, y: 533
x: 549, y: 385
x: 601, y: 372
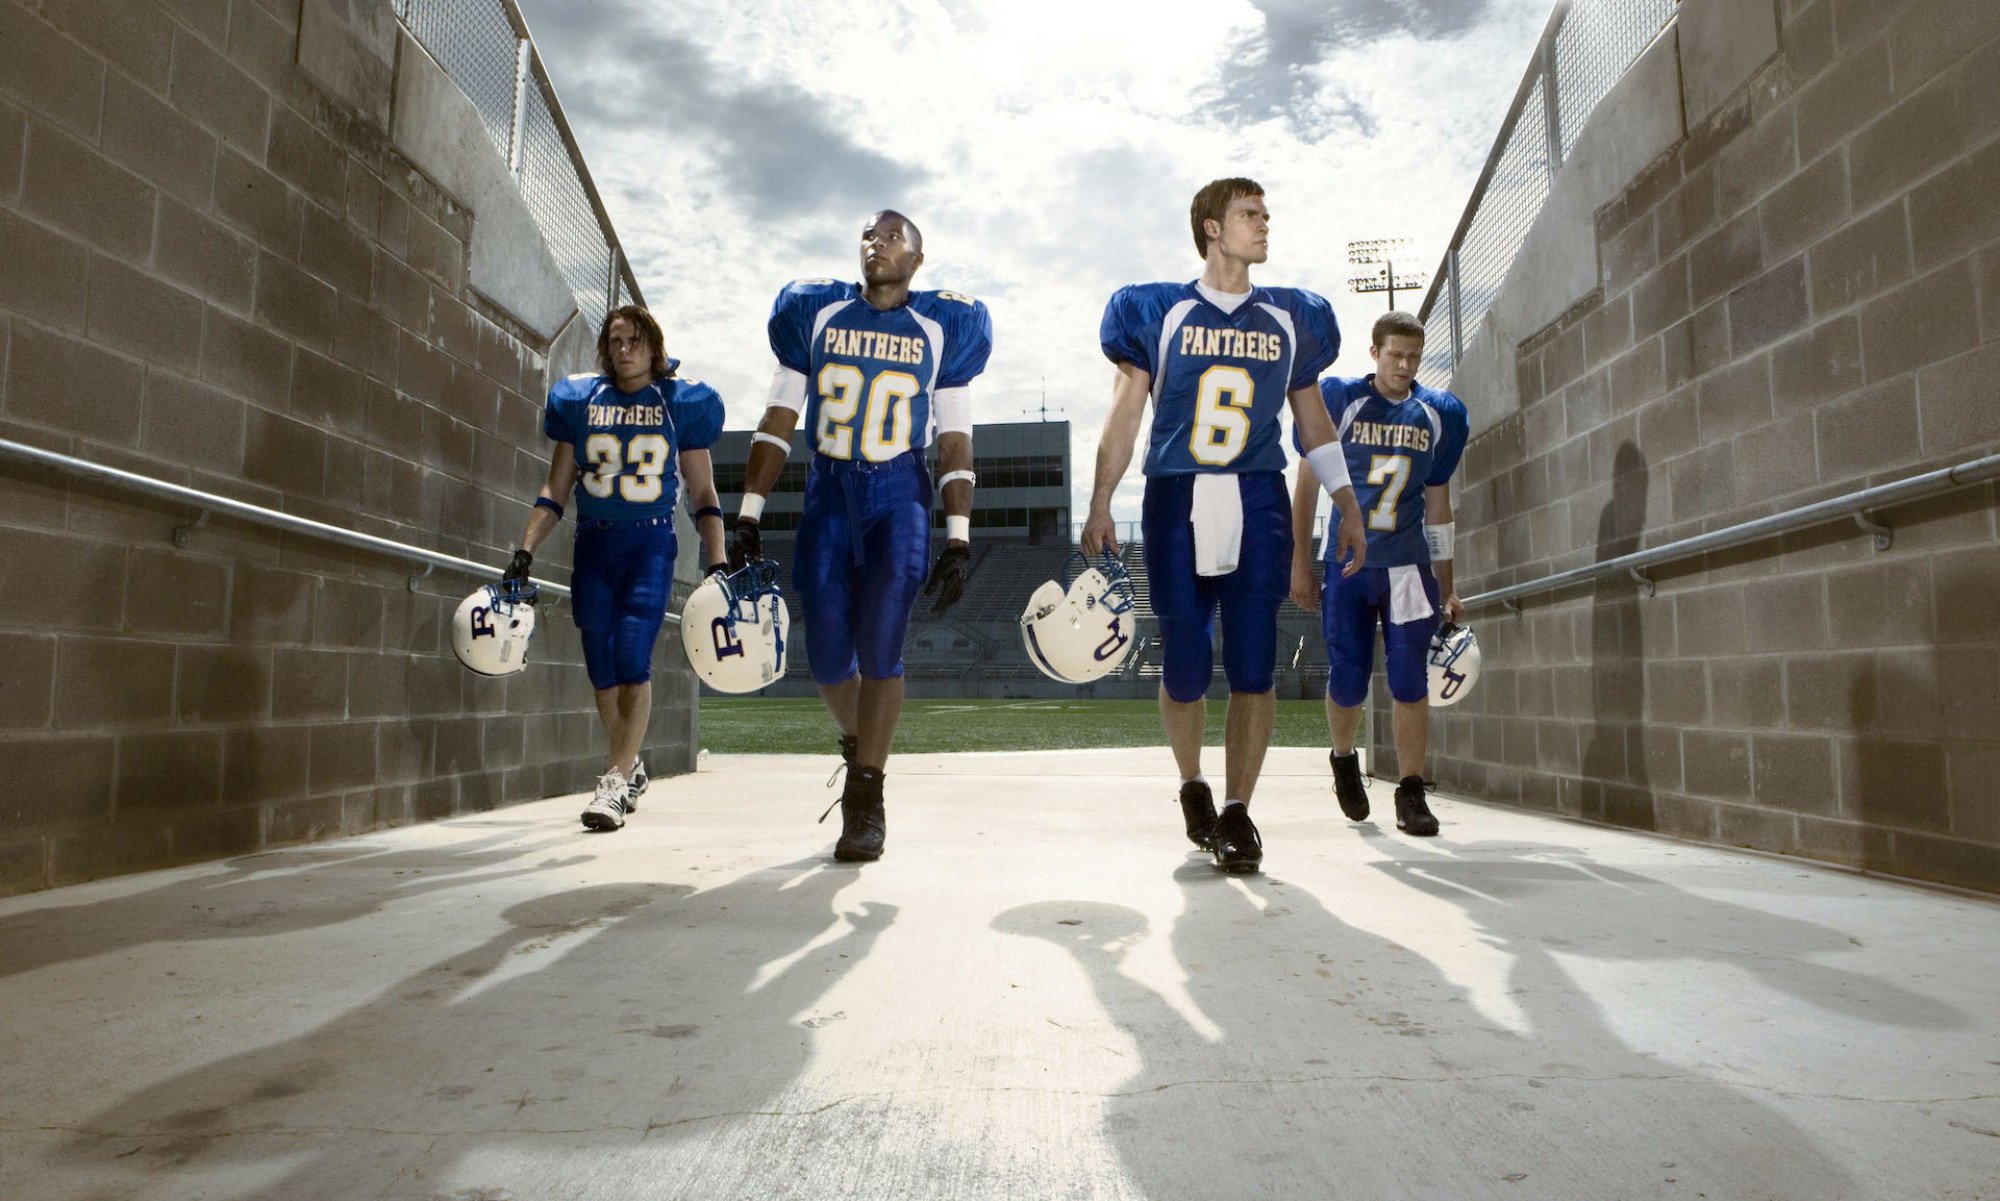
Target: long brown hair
x: 643, y: 322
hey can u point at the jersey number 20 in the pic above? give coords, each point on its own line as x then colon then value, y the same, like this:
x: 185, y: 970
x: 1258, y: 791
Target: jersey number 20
x: 885, y: 418
x: 1221, y: 416
x: 607, y: 456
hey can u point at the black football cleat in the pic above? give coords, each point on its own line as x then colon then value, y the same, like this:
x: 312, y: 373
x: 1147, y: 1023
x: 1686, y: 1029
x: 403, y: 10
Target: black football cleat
x: 1348, y: 786
x: 1238, y: 847
x: 1413, y: 816
x: 849, y: 748
x: 1198, y: 809
x: 863, y: 826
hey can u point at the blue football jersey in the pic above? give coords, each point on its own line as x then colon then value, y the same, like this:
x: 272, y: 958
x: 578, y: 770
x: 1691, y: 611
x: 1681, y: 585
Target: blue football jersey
x: 1219, y: 379
x: 628, y: 444
x: 872, y: 374
x: 1395, y: 449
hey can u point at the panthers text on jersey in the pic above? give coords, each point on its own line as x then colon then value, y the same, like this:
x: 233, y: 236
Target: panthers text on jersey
x: 628, y: 443
x: 1220, y: 380
x: 1395, y: 449
x: 873, y: 375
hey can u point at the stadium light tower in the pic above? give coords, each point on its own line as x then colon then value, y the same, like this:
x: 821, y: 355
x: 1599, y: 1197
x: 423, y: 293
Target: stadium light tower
x: 1382, y: 254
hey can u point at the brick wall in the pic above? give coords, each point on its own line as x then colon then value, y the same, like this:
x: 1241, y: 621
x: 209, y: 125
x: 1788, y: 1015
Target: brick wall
x: 1801, y: 299
x: 215, y: 275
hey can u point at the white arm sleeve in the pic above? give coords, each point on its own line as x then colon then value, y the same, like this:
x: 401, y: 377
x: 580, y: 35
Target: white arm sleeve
x: 788, y: 390
x: 954, y: 410
x: 1329, y: 466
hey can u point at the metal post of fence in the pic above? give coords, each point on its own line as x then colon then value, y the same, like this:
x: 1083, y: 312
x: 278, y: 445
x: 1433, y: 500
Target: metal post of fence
x: 1457, y: 327
x: 1552, y: 101
x: 515, y: 158
x: 611, y: 282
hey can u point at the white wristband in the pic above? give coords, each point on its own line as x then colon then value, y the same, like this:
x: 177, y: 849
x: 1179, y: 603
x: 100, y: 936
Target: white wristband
x: 1439, y: 538
x: 1329, y: 466
x: 784, y: 445
x: 753, y: 508
x: 956, y: 528
x: 949, y: 476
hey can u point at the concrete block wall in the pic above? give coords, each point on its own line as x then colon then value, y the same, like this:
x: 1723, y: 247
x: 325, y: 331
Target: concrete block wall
x: 1800, y: 299
x: 217, y: 274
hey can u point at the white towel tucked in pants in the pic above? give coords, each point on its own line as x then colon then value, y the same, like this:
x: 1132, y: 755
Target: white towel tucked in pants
x: 1217, y: 515
x: 1407, y: 599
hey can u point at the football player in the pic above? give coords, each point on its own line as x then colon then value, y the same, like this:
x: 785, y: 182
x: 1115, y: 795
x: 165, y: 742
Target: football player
x: 631, y: 435
x: 1220, y: 360
x: 1402, y: 442
x: 877, y: 371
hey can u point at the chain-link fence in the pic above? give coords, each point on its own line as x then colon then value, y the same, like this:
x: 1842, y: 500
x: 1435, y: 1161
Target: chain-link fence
x: 484, y: 46
x: 1586, y: 49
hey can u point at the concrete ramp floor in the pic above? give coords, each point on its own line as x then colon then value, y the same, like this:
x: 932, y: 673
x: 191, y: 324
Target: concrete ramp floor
x: 1041, y: 992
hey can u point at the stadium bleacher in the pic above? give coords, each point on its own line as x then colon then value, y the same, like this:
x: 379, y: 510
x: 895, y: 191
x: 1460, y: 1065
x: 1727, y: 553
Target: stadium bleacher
x: 1001, y: 581
x: 975, y: 649
x: 1020, y: 517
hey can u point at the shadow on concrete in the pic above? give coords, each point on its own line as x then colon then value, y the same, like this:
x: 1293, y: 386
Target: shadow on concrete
x: 1532, y: 900
x: 1326, y: 1060
x: 613, y: 1016
x: 268, y: 893
x: 1616, y: 785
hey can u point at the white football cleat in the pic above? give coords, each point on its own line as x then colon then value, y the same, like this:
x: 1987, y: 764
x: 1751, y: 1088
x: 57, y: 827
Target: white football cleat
x: 607, y: 809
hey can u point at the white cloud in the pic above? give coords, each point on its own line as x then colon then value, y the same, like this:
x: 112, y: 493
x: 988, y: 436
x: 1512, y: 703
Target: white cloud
x: 1048, y: 150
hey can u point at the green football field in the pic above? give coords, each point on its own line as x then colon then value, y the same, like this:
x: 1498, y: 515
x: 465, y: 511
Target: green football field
x: 740, y: 725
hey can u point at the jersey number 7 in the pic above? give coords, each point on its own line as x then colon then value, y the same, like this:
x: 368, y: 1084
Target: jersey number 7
x: 1393, y: 470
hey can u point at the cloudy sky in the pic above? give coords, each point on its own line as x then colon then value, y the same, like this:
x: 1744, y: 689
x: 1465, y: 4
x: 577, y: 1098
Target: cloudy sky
x: 1048, y: 150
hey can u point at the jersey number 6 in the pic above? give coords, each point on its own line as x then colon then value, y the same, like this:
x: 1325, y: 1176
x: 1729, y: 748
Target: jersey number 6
x: 888, y: 406
x: 608, y: 455
x: 1221, y: 416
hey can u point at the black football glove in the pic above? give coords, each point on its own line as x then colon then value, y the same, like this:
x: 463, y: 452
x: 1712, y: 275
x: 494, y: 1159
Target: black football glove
x: 948, y: 576
x: 517, y: 573
x: 747, y: 544
x: 716, y: 569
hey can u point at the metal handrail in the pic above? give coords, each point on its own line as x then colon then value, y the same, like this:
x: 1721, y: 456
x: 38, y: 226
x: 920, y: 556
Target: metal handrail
x: 208, y: 502
x: 1858, y: 505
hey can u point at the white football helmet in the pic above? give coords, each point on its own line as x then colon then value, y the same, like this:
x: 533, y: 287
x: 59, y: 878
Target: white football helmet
x: 1082, y: 630
x: 1454, y: 664
x: 734, y: 628
x: 490, y: 631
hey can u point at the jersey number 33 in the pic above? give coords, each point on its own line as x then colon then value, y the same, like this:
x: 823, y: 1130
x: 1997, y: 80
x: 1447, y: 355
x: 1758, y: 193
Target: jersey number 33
x: 607, y: 456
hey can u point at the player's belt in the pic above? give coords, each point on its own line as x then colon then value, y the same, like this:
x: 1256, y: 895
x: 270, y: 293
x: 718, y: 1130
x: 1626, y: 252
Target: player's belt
x: 825, y: 462
x: 610, y: 523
